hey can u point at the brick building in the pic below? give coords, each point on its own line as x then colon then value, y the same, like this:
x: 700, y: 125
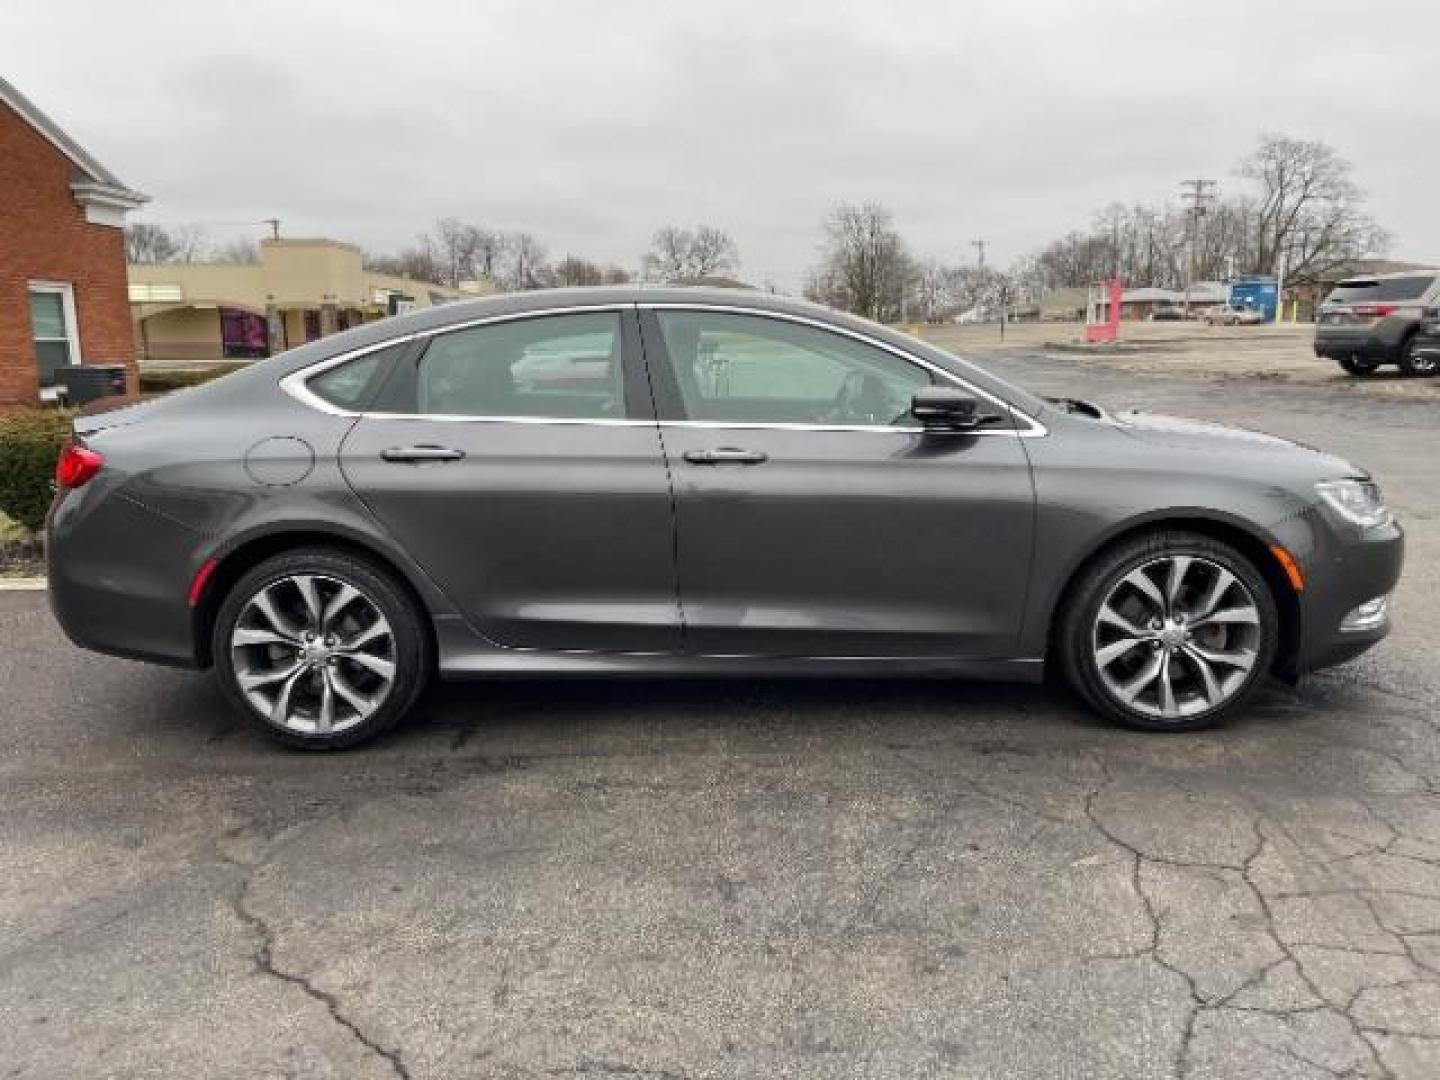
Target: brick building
x: 63, y: 295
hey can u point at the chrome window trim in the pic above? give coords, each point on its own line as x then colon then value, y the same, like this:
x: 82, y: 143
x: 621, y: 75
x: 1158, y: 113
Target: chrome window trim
x: 296, y: 383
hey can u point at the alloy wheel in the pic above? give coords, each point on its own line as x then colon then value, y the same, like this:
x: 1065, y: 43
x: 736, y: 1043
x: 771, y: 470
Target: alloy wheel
x: 1176, y: 636
x: 1422, y: 363
x: 313, y: 654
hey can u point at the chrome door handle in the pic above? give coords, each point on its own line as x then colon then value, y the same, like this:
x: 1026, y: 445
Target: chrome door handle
x: 422, y: 453
x: 726, y: 455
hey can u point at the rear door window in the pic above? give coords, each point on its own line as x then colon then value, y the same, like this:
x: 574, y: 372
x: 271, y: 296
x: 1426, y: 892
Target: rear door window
x: 1372, y: 290
x: 549, y: 367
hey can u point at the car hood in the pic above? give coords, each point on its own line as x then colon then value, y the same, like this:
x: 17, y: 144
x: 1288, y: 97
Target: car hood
x: 1201, y: 437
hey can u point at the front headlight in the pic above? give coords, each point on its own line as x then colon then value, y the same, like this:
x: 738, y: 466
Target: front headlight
x: 1357, y: 501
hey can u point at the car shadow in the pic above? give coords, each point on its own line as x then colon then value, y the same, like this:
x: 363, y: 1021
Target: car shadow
x: 187, y: 719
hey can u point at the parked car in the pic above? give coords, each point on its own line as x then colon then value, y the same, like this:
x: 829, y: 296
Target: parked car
x: 730, y: 484
x: 1367, y: 322
x: 1167, y: 313
x: 1233, y: 315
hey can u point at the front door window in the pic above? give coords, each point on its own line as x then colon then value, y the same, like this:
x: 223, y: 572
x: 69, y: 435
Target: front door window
x: 750, y: 369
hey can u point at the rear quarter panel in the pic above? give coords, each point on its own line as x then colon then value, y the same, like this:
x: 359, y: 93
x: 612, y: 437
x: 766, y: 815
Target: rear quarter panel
x: 197, y: 479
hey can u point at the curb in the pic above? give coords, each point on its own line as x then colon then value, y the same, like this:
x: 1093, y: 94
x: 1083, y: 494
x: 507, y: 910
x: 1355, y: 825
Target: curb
x: 22, y: 584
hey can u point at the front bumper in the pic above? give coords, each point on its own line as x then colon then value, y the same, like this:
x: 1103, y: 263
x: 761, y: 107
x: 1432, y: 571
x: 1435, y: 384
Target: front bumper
x: 1348, y: 567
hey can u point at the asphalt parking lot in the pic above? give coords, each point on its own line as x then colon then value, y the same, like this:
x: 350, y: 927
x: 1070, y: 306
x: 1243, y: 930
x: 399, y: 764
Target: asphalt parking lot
x: 745, y: 879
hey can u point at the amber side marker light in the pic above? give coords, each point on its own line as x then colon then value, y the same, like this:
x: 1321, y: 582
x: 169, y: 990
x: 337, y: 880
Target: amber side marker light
x: 1290, y: 566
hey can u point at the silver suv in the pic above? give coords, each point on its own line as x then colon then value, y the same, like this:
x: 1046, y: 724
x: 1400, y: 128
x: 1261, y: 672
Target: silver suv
x: 1370, y: 321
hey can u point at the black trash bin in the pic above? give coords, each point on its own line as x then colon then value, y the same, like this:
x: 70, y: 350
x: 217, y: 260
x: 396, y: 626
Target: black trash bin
x: 82, y: 383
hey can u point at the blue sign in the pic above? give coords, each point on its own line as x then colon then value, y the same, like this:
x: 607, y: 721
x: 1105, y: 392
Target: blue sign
x: 1255, y: 291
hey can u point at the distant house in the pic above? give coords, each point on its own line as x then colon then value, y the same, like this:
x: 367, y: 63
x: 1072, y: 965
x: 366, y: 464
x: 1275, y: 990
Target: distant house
x: 1057, y: 305
x: 62, y: 256
x: 299, y: 290
x: 1141, y: 303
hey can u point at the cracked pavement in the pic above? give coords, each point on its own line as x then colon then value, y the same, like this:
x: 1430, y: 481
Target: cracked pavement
x: 736, y: 879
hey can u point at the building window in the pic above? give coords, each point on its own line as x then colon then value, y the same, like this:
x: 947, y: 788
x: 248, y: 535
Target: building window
x: 54, y: 330
x: 243, y: 334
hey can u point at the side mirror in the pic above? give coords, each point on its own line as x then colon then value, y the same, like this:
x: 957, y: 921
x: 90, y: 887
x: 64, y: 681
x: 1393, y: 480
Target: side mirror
x: 948, y: 408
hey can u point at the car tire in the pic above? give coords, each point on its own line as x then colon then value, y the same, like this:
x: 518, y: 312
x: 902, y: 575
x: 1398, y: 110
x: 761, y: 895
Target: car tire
x: 321, y: 649
x: 1415, y: 363
x: 1359, y: 365
x: 1160, y: 682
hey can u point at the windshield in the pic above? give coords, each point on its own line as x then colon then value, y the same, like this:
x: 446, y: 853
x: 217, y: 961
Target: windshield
x: 1366, y: 290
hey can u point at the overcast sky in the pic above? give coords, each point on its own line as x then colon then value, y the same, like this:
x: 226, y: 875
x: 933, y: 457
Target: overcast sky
x: 591, y: 124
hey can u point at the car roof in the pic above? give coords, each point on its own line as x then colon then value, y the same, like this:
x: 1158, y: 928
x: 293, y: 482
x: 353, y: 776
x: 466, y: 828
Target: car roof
x: 539, y: 301
x: 603, y: 295
x: 1361, y: 279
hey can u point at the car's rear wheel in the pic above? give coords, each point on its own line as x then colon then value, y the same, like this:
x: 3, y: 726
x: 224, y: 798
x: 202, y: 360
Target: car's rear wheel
x: 1359, y: 365
x: 1171, y: 631
x: 320, y: 649
x: 1416, y: 363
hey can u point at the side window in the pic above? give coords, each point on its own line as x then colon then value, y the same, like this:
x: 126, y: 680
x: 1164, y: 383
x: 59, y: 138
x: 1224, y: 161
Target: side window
x: 552, y: 366
x: 752, y: 369
x: 348, y: 385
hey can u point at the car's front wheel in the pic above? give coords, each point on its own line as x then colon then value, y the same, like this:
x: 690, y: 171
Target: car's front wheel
x: 1171, y: 631
x: 1359, y: 365
x: 321, y: 649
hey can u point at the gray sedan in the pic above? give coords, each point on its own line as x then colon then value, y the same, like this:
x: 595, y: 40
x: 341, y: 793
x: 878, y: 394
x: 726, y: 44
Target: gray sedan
x: 690, y: 482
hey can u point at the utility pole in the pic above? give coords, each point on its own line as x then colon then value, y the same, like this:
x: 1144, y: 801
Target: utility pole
x: 1198, y: 193
x: 980, y: 245
x: 274, y: 223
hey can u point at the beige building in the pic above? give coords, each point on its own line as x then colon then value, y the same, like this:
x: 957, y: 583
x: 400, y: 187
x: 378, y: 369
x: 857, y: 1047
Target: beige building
x: 300, y: 290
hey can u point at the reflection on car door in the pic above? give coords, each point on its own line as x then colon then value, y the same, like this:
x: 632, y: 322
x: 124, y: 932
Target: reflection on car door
x: 520, y: 465
x: 812, y: 517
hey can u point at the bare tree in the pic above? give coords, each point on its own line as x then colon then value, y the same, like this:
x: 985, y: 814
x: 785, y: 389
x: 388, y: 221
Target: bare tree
x: 191, y: 244
x: 524, y: 264
x: 712, y: 251
x: 678, y: 254
x: 864, y: 265
x: 147, y: 242
x: 669, y: 254
x: 936, y: 290
x: 572, y: 270
x: 489, y: 250
x: 242, y: 250
x: 1308, y: 211
x: 413, y: 262
x: 454, y: 245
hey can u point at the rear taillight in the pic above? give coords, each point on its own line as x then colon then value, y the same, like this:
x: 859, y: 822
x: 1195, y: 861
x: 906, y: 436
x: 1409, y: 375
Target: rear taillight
x: 77, y: 465
x: 1373, y: 311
